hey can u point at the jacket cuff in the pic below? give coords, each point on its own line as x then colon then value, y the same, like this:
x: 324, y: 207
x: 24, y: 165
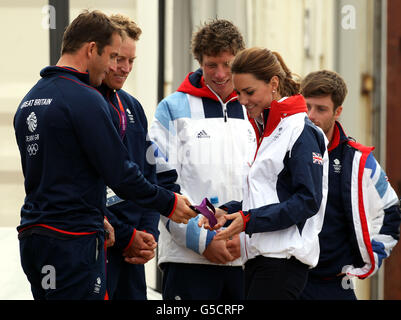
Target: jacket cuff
x: 232, y: 206
x: 174, y: 206
x: 246, y: 216
x: 131, y: 240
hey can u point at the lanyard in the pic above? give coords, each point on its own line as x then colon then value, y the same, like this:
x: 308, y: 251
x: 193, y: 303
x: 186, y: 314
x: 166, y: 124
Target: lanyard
x: 123, y: 123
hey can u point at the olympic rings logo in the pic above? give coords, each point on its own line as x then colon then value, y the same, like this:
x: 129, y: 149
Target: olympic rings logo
x: 32, y: 149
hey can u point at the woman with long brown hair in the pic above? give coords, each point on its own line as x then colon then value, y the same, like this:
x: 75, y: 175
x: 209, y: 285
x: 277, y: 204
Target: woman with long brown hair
x: 286, y: 184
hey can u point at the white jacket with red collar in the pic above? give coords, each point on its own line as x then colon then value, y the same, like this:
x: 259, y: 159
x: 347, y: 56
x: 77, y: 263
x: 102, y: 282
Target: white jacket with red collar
x: 285, y: 190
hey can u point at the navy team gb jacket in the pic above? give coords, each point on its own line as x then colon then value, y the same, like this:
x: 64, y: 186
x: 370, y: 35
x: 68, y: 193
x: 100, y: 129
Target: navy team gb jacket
x: 70, y: 150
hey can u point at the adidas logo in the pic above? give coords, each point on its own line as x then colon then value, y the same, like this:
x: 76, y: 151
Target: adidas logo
x: 202, y: 134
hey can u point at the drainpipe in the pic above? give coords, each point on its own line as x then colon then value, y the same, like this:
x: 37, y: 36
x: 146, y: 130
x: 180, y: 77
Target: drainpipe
x: 60, y: 11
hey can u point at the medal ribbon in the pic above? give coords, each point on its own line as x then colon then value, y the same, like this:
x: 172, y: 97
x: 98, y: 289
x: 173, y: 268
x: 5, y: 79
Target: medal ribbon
x: 123, y: 124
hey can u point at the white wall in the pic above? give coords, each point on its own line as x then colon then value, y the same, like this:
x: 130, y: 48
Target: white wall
x: 25, y: 51
x: 354, y: 53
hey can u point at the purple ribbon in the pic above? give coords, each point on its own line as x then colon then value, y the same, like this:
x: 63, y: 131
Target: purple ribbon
x: 208, y: 210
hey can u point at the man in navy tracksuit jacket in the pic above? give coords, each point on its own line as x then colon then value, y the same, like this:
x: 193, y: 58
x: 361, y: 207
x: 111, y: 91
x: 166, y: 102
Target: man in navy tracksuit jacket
x: 125, y: 280
x: 362, y: 216
x: 67, y: 164
x: 136, y: 228
x: 70, y: 150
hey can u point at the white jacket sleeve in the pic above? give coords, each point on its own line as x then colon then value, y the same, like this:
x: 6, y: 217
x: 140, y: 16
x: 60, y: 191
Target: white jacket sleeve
x: 165, y: 136
x: 190, y: 235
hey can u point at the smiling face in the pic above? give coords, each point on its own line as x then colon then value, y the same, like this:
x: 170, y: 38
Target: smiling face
x: 125, y: 61
x: 321, y: 112
x: 256, y: 95
x: 217, y: 73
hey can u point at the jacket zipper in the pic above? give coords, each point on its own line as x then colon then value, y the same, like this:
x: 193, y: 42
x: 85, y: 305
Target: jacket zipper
x: 222, y: 103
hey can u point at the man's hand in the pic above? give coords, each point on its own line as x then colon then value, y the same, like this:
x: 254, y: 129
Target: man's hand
x: 234, y: 246
x: 142, y: 248
x: 182, y: 212
x: 217, y: 252
x: 109, y: 232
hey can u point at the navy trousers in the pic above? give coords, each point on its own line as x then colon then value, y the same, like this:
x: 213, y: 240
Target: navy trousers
x: 64, y: 269
x: 125, y: 281
x: 336, y: 288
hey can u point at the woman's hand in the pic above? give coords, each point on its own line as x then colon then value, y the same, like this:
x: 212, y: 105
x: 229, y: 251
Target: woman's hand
x: 221, y: 220
x: 236, y: 226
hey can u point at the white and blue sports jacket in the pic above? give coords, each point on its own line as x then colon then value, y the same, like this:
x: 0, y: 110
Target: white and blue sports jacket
x: 285, y: 190
x: 203, y: 145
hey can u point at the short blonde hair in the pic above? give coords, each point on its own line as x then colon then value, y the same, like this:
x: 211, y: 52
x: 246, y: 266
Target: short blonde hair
x: 127, y: 25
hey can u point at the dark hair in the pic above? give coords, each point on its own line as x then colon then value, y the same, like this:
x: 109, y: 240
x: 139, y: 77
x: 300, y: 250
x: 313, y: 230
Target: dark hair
x: 264, y: 64
x: 217, y: 36
x: 130, y: 28
x: 323, y: 83
x: 87, y: 27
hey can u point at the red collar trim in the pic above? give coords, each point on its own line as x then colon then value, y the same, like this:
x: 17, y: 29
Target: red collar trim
x: 203, y: 91
x: 280, y: 110
x: 335, y: 141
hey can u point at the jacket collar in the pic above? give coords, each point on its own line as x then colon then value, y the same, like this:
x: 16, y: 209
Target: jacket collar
x: 57, y: 70
x: 106, y: 91
x: 339, y: 136
x: 281, y: 109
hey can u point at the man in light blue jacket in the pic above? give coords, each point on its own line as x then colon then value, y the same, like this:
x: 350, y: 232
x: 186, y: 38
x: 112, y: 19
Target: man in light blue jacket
x: 204, y: 140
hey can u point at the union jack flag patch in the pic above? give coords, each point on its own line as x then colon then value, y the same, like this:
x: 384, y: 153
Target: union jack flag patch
x: 317, y: 158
